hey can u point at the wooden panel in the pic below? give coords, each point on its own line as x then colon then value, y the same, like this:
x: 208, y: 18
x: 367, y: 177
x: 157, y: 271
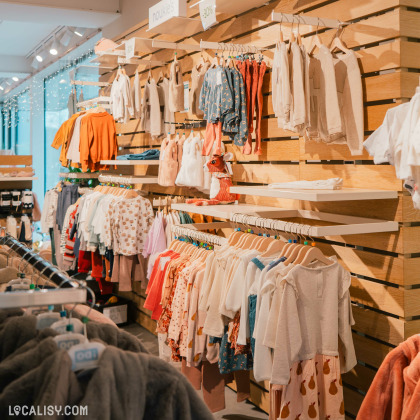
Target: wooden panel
x: 354, y: 176
x: 371, y: 264
x: 394, y: 300
x: 25, y: 160
x: 145, y: 321
x: 260, y: 398
x: 403, y: 242
x: 352, y: 401
x: 284, y: 150
x: 359, y: 377
x: 314, y: 150
x: 265, y: 173
x: 139, y: 139
x: 370, y: 351
x: 133, y: 126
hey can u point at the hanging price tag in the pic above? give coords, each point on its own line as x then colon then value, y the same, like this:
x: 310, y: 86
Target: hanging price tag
x: 129, y: 48
x: 208, y: 13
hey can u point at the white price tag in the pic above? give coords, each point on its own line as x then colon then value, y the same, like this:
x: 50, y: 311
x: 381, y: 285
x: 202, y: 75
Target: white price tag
x: 129, y: 48
x: 208, y: 13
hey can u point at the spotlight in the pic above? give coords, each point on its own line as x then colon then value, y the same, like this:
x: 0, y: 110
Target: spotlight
x: 79, y: 31
x: 40, y: 57
x: 54, y: 47
x: 1, y: 87
x: 16, y: 79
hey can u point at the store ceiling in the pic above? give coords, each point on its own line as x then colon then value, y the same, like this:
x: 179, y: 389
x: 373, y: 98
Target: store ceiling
x: 28, y: 27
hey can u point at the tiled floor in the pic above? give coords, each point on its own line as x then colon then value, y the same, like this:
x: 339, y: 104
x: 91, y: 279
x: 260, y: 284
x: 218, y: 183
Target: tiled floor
x: 233, y: 410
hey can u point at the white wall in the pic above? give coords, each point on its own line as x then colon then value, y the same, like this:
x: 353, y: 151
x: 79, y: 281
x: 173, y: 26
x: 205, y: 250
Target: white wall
x: 132, y: 13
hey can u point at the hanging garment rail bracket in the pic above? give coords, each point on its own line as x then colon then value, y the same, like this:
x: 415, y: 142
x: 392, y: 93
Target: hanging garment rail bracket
x: 306, y: 20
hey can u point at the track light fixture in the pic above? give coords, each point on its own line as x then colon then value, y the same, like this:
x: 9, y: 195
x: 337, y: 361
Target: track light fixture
x: 54, y: 47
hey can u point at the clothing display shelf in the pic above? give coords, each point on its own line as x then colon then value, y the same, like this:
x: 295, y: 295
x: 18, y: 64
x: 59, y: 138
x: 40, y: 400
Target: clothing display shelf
x: 127, y: 180
x: 17, y: 178
x: 208, y: 238
x: 178, y: 25
x: 206, y: 45
x: 345, y: 194
x: 104, y: 101
x: 145, y: 45
x: 233, y: 7
x: 129, y: 162
x: 224, y: 211
x: 306, y: 20
x: 343, y: 225
x: 79, y: 175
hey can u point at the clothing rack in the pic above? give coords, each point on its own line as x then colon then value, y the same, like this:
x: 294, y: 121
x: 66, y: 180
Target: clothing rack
x: 79, y: 175
x: 104, y: 101
x: 39, y: 263
x: 206, y: 45
x: 138, y: 61
x: 306, y: 20
x: 351, y: 225
x: 193, y: 124
x: 126, y: 180
x: 182, y: 230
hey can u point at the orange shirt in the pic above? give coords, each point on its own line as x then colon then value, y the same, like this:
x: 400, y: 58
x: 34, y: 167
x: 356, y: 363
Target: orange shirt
x: 63, y: 136
x: 98, y: 140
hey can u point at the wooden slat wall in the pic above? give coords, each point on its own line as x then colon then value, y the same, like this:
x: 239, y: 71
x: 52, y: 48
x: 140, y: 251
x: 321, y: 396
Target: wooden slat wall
x: 386, y: 266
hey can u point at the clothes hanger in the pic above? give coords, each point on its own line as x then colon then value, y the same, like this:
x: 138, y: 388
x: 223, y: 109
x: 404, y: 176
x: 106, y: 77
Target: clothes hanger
x: 316, y: 41
x: 316, y: 254
x: 292, y: 34
x: 303, y: 251
x: 299, y: 38
x: 337, y: 43
x: 295, y: 251
x: 275, y: 247
x: 281, y: 39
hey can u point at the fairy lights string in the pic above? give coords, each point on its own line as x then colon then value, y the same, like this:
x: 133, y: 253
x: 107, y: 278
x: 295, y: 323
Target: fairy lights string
x: 55, y: 92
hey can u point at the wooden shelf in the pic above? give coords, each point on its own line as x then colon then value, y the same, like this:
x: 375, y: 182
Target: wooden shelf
x: 88, y: 70
x: 178, y: 26
x: 17, y: 178
x: 233, y: 7
x: 346, y: 194
x: 225, y: 211
x: 129, y: 162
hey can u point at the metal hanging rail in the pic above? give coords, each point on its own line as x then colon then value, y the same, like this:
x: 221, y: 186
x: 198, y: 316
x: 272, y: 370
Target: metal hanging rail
x: 306, y: 20
x: 126, y: 180
x: 206, y: 45
x: 182, y: 230
x: 103, y: 101
x: 37, y: 262
x: 79, y: 175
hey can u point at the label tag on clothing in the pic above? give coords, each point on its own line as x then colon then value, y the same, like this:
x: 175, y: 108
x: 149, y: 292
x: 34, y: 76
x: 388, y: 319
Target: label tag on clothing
x: 208, y: 13
x: 219, y: 77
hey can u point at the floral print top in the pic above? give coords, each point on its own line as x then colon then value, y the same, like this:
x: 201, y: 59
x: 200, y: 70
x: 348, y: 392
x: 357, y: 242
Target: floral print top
x: 127, y: 225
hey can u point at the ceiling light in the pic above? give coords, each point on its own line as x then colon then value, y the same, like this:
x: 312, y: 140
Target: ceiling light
x: 62, y: 81
x: 40, y: 57
x: 16, y: 79
x: 79, y: 31
x: 54, y: 47
x: 1, y: 87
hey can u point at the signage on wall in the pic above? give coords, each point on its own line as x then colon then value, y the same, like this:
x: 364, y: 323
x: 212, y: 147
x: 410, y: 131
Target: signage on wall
x: 208, y: 13
x: 165, y: 10
x: 129, y: 48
